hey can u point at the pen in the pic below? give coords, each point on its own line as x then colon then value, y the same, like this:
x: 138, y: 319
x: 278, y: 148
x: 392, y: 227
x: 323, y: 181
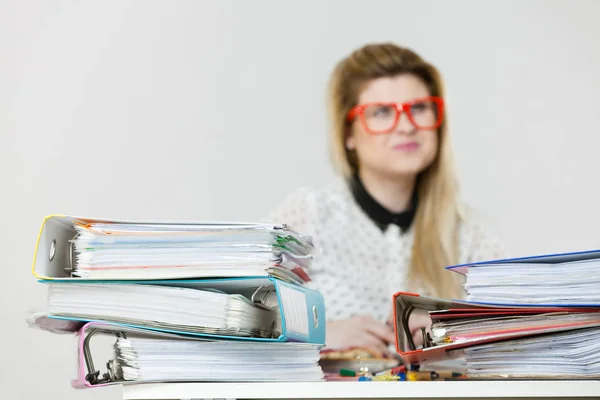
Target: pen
x: 389, y: 378
x: 431, y: 375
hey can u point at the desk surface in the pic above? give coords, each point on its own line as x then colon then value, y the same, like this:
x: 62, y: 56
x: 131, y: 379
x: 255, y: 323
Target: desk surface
x: 364, y: 390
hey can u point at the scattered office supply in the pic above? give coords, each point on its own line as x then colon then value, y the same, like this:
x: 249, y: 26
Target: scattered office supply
x: 431, y: 375
x: 394, y: 374
x: 356, y: 360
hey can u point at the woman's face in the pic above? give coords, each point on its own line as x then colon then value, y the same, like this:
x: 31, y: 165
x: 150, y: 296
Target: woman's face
x: 405, y: 150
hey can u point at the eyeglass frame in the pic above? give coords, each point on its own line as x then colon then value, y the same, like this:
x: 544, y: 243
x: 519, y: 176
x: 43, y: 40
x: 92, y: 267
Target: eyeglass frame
x: 359, y: 110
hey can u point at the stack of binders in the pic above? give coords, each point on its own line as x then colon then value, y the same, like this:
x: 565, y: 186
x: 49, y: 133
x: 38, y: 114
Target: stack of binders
x: 526, y: 318
x: 182, y: 301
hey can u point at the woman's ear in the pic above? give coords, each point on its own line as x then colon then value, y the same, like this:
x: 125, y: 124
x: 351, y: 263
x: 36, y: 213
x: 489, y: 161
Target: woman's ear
x: 350, y: 144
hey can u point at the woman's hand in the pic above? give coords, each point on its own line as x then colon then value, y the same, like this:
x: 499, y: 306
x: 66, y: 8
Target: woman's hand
x: 362, y: 331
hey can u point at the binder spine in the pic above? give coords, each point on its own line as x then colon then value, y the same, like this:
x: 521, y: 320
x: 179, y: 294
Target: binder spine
x: 303, y: 313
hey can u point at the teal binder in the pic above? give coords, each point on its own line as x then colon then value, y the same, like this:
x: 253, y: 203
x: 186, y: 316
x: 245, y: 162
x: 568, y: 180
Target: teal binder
x: 299, y: 312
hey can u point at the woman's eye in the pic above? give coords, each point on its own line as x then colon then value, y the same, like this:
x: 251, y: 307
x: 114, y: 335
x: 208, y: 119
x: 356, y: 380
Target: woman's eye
x: 382, y: 111
x: 419, y: 107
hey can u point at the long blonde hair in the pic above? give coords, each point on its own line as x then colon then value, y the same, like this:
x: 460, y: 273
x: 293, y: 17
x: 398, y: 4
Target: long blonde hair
x: 438, y: 213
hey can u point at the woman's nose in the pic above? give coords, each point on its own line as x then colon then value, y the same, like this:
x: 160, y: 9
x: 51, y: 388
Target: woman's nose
x: 404, y: 125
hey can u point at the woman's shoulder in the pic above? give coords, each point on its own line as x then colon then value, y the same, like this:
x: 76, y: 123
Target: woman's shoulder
x: 479, y: 239
x: 311, y: 203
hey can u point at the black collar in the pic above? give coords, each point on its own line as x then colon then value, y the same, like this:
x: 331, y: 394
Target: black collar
x: 380, y: 215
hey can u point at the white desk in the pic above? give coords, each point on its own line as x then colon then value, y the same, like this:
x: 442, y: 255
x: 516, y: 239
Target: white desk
x: 367, y: 390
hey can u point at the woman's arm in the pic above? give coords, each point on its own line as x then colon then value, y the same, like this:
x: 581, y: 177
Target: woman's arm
x: 306, y: 211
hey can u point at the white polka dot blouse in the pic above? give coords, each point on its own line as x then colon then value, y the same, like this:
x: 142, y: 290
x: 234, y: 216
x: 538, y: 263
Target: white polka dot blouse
x: 360, y: 262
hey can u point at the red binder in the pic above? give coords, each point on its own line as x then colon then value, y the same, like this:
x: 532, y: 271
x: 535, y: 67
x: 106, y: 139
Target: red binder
x: 521, y: 321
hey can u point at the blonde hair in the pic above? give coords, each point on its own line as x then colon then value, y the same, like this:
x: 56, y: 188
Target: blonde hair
x: 438, y: 213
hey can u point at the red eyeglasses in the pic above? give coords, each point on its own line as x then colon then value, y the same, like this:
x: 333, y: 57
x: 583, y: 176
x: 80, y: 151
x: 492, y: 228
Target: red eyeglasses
x: 380, y: 118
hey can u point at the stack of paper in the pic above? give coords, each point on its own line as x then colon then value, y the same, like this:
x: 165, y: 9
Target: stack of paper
x: 562, y: 279
x: 184, y: 301
x: 572, y: 354
x: 182, y: 309
x: 462, y: 329
x: 535, y: 317
x: 568, y: 354
x: 147, y: 359
x: 143, y: 356
x: 168, y: 251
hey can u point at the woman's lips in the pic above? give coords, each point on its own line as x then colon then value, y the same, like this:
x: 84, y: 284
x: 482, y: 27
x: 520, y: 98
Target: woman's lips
x: 410, y: 146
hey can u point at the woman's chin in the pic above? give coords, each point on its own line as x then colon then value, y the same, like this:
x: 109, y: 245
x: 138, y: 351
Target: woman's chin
x: 404, y: 169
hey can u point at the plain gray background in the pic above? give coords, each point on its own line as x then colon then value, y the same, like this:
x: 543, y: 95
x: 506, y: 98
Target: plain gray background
x: 216, y: 110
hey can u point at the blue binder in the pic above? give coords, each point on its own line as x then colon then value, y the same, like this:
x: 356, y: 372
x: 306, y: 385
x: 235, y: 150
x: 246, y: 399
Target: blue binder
x: 539, y: 259
x: 557, y: 258
x: 301, y: 310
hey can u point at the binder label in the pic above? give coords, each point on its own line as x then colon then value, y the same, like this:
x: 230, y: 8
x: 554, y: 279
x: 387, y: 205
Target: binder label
x: 294, y: 308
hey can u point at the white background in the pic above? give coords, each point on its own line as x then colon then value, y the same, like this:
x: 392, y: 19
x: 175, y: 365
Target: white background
x: 216, y: 110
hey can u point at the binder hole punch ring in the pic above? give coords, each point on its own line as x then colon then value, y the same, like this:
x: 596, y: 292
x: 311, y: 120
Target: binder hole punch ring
x: 405, y: 316
x: 315, y: 317
x: 274, y: 333
x: 261, y: 296
x: 69, y: 268
x: 52, y: 250
x: 93, y: 376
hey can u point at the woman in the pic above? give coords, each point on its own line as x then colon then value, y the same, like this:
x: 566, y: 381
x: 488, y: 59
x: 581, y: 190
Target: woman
x: 394, y: 221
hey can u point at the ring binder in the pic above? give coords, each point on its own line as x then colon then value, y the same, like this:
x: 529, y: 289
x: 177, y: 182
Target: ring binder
x: 78, y: 248
x: 564, y: 279
x: 137, y: 357
x: 490, y: 324
x: 291, y: 307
